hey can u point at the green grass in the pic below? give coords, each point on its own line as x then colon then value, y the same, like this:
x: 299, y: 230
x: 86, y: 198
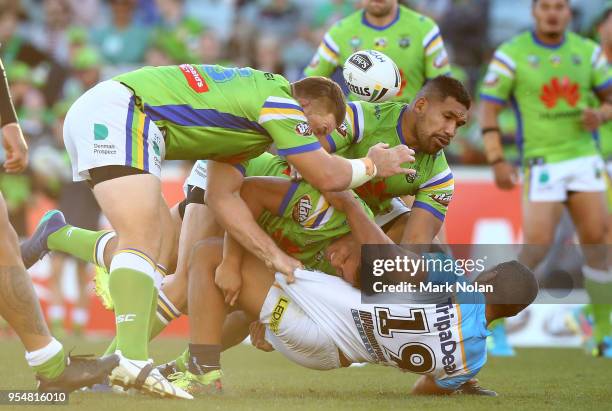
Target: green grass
x: 536, y: 379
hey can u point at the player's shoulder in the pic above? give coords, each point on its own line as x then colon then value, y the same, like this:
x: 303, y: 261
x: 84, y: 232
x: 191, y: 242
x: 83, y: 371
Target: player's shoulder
x: 517, y: 43
x: 418, y: 22
x: 582, y: 44
x: 346, y: 24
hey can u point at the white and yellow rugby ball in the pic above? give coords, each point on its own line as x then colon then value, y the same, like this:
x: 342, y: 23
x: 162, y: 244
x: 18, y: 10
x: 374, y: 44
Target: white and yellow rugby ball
x: 371, y: 76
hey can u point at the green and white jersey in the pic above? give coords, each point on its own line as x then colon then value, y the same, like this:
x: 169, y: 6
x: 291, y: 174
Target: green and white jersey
x: 370, y: 123
x: 548, y: 87
x: 411, y: 40
x: 218, y: 113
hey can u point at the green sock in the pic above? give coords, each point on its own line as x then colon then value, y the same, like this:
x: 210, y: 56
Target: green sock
x: 157, y: 326
x: 500, y: 322
x: 601, y: 296
x: 53, y: 367
x: 182, y: 360
x: 133, y: 292
x: 77, y: 242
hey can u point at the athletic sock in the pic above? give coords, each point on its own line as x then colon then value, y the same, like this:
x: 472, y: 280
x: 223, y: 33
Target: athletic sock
x: 80, y: 243
x: 598, y: 284
x: 182, y: 360
x: 204, y: 358
x: 165, y: 313
x: 49, y: 361
x: 132, y: 289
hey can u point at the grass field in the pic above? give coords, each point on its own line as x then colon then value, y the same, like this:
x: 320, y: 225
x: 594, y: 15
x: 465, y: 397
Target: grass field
x: 556, y: 379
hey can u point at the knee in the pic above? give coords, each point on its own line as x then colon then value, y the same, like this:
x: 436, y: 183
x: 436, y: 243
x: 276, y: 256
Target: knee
x: 594, y: 234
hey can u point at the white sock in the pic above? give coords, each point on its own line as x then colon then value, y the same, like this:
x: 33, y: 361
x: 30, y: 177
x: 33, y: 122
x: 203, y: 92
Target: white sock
x: 101, y: 246
x: 43, y: 355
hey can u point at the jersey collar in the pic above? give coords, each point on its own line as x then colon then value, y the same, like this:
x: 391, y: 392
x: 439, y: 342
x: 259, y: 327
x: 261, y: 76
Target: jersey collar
x: 537, y: 41
x: 365, y: 21
x: 398, y: 128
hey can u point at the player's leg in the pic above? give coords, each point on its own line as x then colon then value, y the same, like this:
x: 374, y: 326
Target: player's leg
x: 19, y: 306
x: 56, y: 311
x: 540, y: 220
x: 589, y: 213
x: 80, y: 312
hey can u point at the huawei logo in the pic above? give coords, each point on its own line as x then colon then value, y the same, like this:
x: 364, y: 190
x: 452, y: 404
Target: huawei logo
x: 560, y: 89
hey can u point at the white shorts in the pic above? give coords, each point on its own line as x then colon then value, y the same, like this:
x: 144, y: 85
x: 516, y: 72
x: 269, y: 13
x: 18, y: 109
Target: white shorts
x: 197, y: 177
x: 552, y: 181
x: 398, y: 208
x: 106, y: 127
x: 609, y: 168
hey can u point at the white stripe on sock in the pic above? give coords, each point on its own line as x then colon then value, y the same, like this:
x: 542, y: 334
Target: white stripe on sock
x: 43, y: 355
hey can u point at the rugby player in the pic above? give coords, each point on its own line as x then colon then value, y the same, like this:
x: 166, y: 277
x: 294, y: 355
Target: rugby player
x: 118, y: 133
x: 411, y: 40
x: 19, y: 306
x: 547, y: 75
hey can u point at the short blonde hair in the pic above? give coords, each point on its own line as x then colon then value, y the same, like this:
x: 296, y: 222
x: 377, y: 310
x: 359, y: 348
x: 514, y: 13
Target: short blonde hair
x: 326, y: 92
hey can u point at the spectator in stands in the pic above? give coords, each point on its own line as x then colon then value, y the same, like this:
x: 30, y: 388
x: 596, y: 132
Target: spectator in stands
x: 51, y: 36
x: 176, y: 33
x: 86, y: 67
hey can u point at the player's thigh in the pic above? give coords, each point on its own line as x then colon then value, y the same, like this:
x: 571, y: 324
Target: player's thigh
x: 256, y: 282
x: 132, y: 205
x: 9, y: 242
x: 169, y: 237
x: 590, y: 216
x: 540, y: 219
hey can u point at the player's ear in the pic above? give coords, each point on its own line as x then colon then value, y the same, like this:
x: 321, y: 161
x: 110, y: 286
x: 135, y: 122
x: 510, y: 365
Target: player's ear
x: 420, y: 105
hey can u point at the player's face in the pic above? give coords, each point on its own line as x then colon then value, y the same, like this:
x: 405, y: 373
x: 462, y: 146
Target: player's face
x: 552, y: 16
x: 321, y: 124
x: 437, y: 123
x: 379, y: 8
x: 605, y: 30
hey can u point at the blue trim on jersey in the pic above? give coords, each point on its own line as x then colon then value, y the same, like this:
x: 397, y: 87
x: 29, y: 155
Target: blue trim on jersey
x: 398, y: 128
x: 519, y: 125
x: 355, y: 122
x: 273, y: 104
x: 301, y: 149
x: 365, y: 21
x: 128, y: 132
x: 432, y: 40
x: 493, y: 99
x: 329, y: 46
x: 603, y: 86
x: 425, y: 206
x: 318, y: 219
x: 145, y: 144
x: 185, y: 115
x: 537, y: 41
x: 332, y: 143
x: 240, y: 168
x: 440, y: 181
x: 294, y: 186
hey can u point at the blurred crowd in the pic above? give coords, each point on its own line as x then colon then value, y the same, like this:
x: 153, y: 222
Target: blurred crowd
x: 54, y: 50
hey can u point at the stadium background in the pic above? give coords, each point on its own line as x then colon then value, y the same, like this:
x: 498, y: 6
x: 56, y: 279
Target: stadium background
x: 53, y: 50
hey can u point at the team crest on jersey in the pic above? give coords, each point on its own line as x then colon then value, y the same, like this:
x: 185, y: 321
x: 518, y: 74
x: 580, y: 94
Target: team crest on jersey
x: 555, y: 60
x: 576, y: 60
x: 404, y: 42
x: 355, y: 42
x: 303, y: 129
x: 342, y: 130
x: 442, y: 199
x: 560, y: 89
x: 533, y: 60
x: 301, y: 209
x: 380, y: 43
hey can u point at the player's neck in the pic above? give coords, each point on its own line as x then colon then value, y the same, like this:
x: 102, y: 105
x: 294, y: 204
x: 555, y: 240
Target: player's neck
x: 607, y: 49
x: 409, y: 129
x: 382, y: 21
x: 549, y: 39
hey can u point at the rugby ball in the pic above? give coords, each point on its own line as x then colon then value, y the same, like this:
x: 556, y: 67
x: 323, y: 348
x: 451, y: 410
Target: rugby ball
x: 371, y: 76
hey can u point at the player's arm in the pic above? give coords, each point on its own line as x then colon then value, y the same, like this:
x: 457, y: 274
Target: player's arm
x: 223, y: 197
x: 14, y: 143
x: 601, y: 82
x: 496, y: 89
x: 436, y: 57
x: 421, y: 227
x: 326, y: 59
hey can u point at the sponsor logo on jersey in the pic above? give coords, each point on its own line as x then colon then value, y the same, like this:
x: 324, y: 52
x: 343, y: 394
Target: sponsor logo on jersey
x: 104, y: 149
x: 442, y: 199
x: 560, y: 89
x: 269, y: 76
x: 555, y: 60
x: 100, y: 132
x: 355, y: 42
x: 365, y: 326
x: 124, y: 318
x: 303, y: 129
x: 533, y: 60
x: 361, y: 61
x: 194, y: 79
x: 301, y: 210
x: 448, y: 346
x: 277, y: 314
x: 404, y: 41
x: 576, y: 60
x: 380, y: 43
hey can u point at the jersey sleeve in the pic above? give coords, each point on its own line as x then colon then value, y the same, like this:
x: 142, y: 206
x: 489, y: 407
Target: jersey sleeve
x: 351, y: 130
x: 284, y: 120
x: 435, y: 194
x: 327, y: 58
x: 600, y: 70
x: 436, y: 58
x: 498, y: 83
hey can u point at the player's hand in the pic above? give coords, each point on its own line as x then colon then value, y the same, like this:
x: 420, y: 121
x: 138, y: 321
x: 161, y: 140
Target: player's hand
x: 15, y: 147
x: 229, y: 281
x: 591, y: 119
x: 388, y: 161
x: 506, y: 176
x: 284, y: 264
x: 257, y: 332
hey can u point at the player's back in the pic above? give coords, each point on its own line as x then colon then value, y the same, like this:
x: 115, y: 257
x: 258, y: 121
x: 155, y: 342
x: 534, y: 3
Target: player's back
x: 207, y: 112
